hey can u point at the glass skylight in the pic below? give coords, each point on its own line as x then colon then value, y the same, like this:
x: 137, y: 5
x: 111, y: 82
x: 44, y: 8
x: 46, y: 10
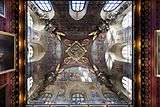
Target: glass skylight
x: 2, y: 9
x: 43, y: 5
x: 77, y: 5
x: 111, y: 5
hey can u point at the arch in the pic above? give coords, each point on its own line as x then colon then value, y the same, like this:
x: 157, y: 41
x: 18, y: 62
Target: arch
x: 110, y: 7
x: 75, y: 12
x: 78, y: 6
x: 43, y: 9
x: 36, y: 52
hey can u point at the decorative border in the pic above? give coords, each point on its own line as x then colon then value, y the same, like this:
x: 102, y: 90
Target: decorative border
x: 147, y: 53
x: 137, y: 53
x: 21, y: 57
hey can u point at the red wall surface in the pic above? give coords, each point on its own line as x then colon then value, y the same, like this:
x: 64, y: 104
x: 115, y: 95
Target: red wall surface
x: 7, y: 25
x: 7, y: 79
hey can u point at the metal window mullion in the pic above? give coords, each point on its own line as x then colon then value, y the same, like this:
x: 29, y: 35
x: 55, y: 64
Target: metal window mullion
x: 47, y: 6
x: 42, y: 4
x: 108, y: 6
x: 80, y: 5
x: 76, y: 9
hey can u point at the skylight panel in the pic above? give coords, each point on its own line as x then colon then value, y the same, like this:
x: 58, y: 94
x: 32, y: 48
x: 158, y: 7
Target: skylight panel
x: 43, y: 5
x: 111, y: 5
x: 2, y: 8
x: 77, y: 5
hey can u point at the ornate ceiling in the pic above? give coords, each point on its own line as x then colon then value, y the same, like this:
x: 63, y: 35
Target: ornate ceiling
x: 75, y: 52
x: 77, y: 29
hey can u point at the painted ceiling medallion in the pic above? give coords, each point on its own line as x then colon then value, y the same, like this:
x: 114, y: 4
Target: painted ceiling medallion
x: 76, y: 51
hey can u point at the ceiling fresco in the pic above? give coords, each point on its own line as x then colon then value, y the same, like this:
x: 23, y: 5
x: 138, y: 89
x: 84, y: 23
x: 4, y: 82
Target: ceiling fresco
x: 79, y: 55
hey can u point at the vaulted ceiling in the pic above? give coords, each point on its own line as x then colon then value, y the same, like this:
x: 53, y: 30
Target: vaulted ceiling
x: 77, y: 29
x: 69, y: 43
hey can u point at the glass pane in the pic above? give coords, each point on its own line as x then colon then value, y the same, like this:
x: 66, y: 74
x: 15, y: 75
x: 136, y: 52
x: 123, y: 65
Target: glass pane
x: 77, y: 5
x: 111, y: 5
x: 2, y: 7
x: 43, y: 5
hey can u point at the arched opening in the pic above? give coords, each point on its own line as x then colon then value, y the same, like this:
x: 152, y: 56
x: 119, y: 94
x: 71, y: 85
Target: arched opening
x: 77, y: 9
x: 77, y: 6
